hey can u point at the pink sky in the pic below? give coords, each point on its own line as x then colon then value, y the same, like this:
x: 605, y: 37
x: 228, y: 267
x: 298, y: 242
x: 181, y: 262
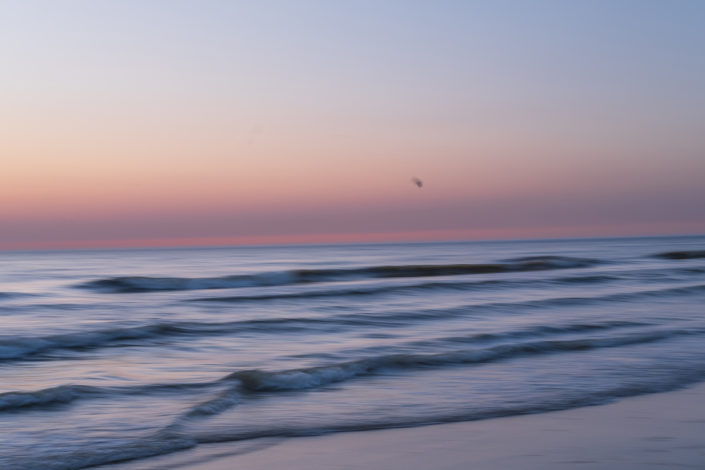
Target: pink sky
x: 132, y: 124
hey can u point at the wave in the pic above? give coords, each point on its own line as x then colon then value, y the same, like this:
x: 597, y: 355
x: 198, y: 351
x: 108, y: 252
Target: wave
x: 252, y: 382
x: 621, y: 296
x: 68, y: 393
x: 568, y: 401
x: 372, y: 319
x: 249, y: 382
x: 64, y: 394
x: 50, y: 396
x: 404, y: 318
x: 359, y: 291
x: 538, y: 331
x: 12, y: 295
x: 640, y: 275
x: 23, y: 347
x: 134, y: 284
x: 676, y: 255
x: 97, y: 453
x: 393, y: 289
x: 176, y: 437
x: 306, y: 378
x: 674, y: 381
x: 20, y: 348
x: 26, y: 347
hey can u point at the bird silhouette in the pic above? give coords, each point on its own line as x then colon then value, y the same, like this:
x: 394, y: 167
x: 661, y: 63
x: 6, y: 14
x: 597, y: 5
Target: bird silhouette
x: 417, y: 182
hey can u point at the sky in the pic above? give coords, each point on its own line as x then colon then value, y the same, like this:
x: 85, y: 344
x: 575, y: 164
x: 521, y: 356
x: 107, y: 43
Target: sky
x: 148, y: 123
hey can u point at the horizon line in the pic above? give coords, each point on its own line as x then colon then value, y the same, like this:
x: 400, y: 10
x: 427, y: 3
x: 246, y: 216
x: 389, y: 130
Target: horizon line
x: 322, y: 239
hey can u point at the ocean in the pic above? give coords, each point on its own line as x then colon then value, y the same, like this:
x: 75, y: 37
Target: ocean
x: 115, y: 355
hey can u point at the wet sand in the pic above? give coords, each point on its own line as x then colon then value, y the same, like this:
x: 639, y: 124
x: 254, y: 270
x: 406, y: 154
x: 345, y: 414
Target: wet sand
x: 658, y: 431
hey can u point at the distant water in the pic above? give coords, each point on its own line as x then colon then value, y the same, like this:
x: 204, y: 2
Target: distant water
x: 126, y: 354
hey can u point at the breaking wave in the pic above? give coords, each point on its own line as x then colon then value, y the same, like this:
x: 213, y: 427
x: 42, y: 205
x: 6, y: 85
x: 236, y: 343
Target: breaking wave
x: 176, y: 437
x: 254, y: 380
x: 300, y: 379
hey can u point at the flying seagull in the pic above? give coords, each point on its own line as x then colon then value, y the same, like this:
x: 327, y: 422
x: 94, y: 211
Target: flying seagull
x: 417, y: 182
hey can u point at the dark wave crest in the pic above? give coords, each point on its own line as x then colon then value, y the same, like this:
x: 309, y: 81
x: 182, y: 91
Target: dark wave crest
x: 49, y: 396
x: 69, y: 393
x: 407, y: 288
x: 693, y: 254
x: 20, y: 348
x: 134, y: 284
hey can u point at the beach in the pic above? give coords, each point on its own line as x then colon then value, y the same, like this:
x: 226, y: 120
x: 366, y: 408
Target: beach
x: 657, y: 431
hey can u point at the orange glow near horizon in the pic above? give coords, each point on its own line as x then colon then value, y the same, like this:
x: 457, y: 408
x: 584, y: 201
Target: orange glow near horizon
x: 334, y: 238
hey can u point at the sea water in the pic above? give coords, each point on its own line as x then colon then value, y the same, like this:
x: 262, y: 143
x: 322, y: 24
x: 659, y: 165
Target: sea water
x: 115, y: 355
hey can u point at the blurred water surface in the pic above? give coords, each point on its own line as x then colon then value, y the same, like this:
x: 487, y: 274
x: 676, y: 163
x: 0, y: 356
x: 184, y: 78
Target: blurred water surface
x: 126, y: 354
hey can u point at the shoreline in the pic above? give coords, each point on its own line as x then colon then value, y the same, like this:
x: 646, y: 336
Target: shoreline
x: 662, y: 430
